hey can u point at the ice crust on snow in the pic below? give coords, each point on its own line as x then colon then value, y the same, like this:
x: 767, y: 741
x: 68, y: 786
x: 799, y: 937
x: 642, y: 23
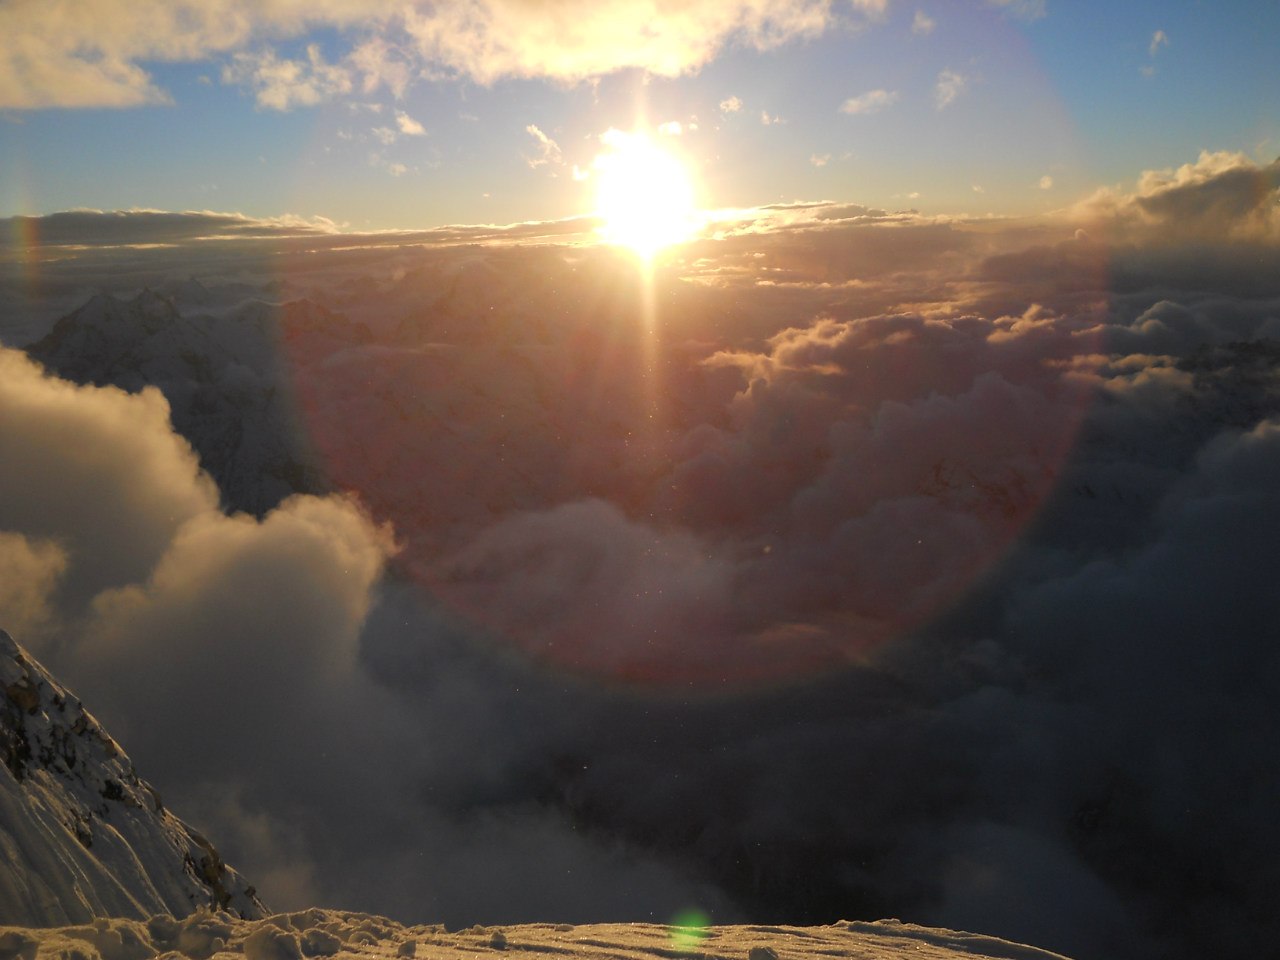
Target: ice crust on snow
x: 81, y: 835
x: 331, y: 933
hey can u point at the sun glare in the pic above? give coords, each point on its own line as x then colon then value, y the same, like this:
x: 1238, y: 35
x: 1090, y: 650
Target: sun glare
x: 644, y: 196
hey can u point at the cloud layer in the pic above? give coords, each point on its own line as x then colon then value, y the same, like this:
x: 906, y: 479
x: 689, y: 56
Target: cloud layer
x: 968, y: 516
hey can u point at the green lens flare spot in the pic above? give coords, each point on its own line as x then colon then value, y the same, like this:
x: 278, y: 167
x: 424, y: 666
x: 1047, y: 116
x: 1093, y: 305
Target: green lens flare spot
x: 689, y: 929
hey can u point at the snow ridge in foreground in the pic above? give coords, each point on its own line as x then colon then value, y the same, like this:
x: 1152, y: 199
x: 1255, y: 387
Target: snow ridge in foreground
x: 328, y: 933
x: 81, y: 835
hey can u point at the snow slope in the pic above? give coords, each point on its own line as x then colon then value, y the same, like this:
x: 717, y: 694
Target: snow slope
x: 80, y: 834
x: 324, y: 933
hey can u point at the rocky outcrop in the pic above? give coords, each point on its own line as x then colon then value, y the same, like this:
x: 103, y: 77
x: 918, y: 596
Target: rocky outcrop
x: 81, y: 834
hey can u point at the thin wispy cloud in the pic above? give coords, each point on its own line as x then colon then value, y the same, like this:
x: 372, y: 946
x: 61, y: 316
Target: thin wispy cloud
x: 1159, y: 39
x: 949, y: 87
x: 1027, y: 11
x: 873, y: 101
x: 381, y: 62
x: 547, y: 150
x: 922, y: 23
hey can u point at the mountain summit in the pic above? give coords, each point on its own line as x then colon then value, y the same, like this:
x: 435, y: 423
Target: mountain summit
x: 82, y: 835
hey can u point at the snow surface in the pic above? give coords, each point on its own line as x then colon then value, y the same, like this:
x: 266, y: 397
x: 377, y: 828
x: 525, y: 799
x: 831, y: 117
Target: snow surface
x: 80, y: 834
x: 328, y: 933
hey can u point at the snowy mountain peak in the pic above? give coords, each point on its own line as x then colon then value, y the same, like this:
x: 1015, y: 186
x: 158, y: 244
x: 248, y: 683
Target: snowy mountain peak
x: 154, y: 307
x: 149, y: 308
x: 82, y: 835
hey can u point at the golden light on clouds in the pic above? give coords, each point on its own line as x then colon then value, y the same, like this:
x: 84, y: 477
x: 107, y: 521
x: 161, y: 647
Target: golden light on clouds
x: 644, y: 194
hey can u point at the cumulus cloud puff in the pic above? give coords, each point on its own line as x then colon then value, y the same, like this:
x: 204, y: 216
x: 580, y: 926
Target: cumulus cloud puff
x: 283, y: 84
x: 1222, y: 196
x: 111, y: 522
x: 110, y: 479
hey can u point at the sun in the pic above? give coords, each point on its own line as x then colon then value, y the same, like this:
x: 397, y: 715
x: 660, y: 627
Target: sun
x: 644, y: 196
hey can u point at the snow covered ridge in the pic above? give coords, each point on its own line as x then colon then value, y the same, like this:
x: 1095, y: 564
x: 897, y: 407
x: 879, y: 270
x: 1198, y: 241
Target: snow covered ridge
x: 81, y: 835
x: 325, y: 933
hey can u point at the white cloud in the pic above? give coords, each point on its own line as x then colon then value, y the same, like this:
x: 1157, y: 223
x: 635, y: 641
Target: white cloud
x: 1046, y: 182
x: 548, y: 149
x: 870, y: 102
x: 284, y: 84
x: 397, y: 169
x: 1026, y: 10
x: 146, y: 481
x: 408, y: 125
x: 672, y: 128
x: 1220, y: 195
x: 922, y: 23
x: 1158, y: 39
x: 820, y: 159
x: 149, y: 564
x: 577, y: 39
x: 29, y: 569
x: 770, y: 119
x: 385, y: 135
x: 382, y: 63
x: 949, y: 86
x: 730, y: 105
x: 82, y: 54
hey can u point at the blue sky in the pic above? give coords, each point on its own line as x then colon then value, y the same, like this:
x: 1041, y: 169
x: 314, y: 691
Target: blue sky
x: 961, y: 107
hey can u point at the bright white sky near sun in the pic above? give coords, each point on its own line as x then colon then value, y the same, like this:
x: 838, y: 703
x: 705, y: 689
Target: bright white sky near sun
x: 394, y: 115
